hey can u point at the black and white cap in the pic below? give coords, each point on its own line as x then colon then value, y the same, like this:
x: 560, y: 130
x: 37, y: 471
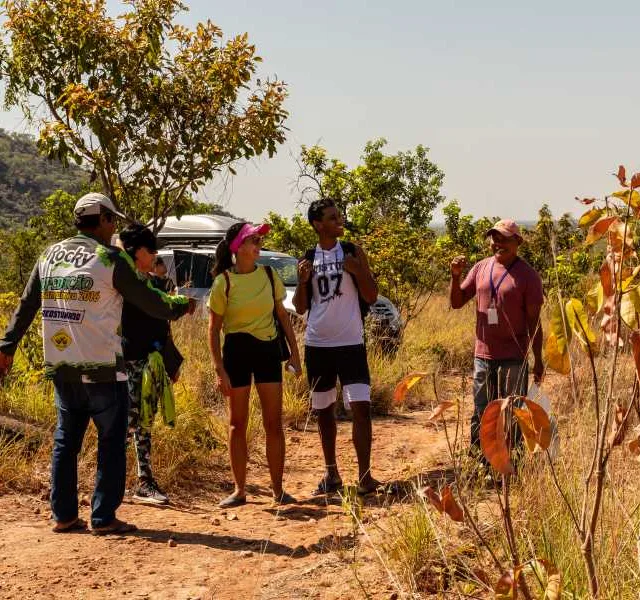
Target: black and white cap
x: 93, y: 204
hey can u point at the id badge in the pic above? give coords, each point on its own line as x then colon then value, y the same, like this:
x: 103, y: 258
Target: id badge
x: 492, y: 315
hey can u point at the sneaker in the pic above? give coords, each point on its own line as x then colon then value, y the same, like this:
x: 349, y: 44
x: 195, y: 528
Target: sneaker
x: 150, y: 493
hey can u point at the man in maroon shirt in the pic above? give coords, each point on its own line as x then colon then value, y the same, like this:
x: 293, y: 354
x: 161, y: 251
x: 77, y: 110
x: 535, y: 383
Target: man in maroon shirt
x: 509, y: 297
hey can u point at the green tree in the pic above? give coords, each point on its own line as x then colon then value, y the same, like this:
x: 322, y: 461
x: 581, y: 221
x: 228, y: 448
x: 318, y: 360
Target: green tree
x: 293, y: 236
x: 553, y: 248
x: 154, y: 109
x: 208, y: 208
x: 56, y: 221
x: 403, y: 261
x: 403, y: 187
x: 19, y: 250
x: 462, y: 235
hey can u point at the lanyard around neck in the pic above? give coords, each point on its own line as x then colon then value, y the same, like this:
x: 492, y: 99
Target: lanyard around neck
x: 496, y: 287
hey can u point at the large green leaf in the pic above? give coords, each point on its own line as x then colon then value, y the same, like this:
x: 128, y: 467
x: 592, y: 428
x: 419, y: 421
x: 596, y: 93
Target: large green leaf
x: 590, y: 217
x: 553, y: 358
x: 626, y: 194
x: 579, y: 324
x: 595, y: 298
x: 557, y: 326
x: 630, y: 307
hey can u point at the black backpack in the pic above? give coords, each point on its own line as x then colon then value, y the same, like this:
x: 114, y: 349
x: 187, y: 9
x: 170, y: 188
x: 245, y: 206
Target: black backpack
x: 347, y: 248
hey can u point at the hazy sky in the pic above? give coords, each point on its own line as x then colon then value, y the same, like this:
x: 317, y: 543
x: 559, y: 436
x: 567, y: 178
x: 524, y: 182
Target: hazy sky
x: 520, y: 103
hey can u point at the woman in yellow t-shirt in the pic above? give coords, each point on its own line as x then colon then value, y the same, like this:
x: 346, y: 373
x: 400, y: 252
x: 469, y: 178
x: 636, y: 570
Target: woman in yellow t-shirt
x: 241, y: 304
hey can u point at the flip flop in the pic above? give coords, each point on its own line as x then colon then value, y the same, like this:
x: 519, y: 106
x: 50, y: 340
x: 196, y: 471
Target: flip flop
x: 326, y: 488
x: 116, y: 527
x: 76, y: 525
x: 283, y: 499
x: 231, y: 501
x: 371, y: 488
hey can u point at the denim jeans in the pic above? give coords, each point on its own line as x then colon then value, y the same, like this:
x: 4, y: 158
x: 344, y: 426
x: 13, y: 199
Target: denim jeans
x: 107, y: 405
x: 493, y: 379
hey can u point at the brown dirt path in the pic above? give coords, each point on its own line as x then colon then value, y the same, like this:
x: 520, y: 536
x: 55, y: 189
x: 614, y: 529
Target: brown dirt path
x: 305, y: 551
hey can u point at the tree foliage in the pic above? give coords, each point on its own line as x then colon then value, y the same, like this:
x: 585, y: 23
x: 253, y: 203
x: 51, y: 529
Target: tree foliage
x: 555, y: 249
x: 462, y: 235
x: 293, y: 236
x: 153, y: 108
x: 403, y: 262
x: 402, y: 187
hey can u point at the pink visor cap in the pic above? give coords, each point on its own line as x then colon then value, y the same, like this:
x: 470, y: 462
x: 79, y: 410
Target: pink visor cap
x: 247, y: 231
x: 507, y: 228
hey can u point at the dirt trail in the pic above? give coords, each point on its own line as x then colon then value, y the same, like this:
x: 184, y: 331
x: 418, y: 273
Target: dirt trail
x: 253, y: 551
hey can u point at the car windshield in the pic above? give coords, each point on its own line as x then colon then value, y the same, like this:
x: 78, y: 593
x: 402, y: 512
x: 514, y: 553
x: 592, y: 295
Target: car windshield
x: 286, y: 266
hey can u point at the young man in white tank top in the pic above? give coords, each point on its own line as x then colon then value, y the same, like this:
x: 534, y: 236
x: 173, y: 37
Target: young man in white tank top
x: 331, y: 284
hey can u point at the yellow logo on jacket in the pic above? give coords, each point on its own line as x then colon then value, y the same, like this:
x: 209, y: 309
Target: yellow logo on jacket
x: 61, y: 340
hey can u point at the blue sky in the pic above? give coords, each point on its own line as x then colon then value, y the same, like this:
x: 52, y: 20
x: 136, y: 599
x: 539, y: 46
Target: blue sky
x: 520, y: 104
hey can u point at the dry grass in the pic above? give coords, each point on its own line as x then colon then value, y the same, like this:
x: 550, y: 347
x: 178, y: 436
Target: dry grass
x: 428, y: 553
x: 431, y: 556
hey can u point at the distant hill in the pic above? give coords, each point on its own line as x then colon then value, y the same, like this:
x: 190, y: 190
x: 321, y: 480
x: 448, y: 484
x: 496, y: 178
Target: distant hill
x: 26, y: 178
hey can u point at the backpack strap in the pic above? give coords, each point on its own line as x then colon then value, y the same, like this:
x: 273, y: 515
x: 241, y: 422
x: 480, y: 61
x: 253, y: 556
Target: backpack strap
x: 267, y: 268
x: 269, y: 271
x: 348, y: 247
x: 310, y: 255
x: 365, y: 307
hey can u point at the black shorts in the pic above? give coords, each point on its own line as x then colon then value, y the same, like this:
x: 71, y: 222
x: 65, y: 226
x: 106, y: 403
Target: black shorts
x: 244, y: 355
x: 326, y: 365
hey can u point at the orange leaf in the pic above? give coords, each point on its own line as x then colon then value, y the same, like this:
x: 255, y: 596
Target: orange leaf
x: 405, y: 384
x: 635, y: 181
x: 620, y: 236
x: 599, y: 228
x: 430, y: 494
x: 438, y: 410
x: 607, y: 278
x: 618, y: 429
x: 506, y: 588
x: 450, y: 506
x: 622, y: 175
x: 554, y: 359
x: 493, y: 439
x: 535, y: 426
x: 634, y: 444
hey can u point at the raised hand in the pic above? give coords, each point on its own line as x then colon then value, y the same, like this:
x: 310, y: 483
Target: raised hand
x: 458, y: 265
x: 304, y: 270
x: 352, y: 264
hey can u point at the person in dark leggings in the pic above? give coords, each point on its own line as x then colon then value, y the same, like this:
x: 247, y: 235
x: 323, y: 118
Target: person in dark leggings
x: 141, y: 335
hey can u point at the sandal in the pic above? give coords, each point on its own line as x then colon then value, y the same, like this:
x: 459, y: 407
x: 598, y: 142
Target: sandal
x: 76, y: 525
x: 326, y: 488
x: 232, y: 500
x: 284, y: 498
x: 116, y: 527
x: 371, y: 488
